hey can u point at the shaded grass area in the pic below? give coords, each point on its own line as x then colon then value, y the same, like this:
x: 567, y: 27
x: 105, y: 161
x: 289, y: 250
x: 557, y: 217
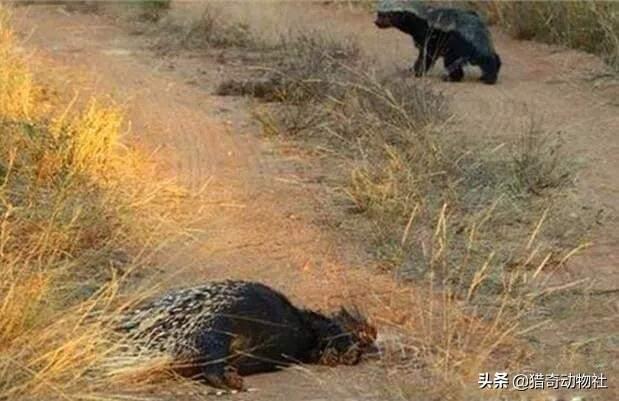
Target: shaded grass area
x: 82, y: 217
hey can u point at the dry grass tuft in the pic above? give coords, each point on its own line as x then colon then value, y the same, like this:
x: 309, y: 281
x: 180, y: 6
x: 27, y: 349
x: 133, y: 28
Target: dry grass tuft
x: 80, y: 215
x: 153, y: 10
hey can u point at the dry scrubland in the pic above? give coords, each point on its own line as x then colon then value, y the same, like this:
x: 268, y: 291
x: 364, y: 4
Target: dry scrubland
x: 480, y: 227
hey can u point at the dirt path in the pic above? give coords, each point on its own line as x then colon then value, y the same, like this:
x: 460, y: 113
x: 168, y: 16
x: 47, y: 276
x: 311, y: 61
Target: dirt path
x: 264, y: 203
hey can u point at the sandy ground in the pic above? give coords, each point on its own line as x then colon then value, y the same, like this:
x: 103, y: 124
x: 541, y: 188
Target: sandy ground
x: 265, y: 204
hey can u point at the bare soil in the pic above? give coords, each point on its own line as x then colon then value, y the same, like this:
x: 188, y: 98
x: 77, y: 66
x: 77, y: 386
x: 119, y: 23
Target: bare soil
x: 265, y: 208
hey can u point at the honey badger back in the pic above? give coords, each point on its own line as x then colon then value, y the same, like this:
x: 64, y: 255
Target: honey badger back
x: 459, y: 36
x: 225, y: 329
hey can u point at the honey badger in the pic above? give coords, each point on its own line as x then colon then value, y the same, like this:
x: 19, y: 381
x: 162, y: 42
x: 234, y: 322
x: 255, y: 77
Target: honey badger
x: 224, y: 329
x: 459, y: 36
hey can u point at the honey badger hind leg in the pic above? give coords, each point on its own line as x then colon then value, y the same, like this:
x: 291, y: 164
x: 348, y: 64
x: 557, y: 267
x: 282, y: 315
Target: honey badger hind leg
x: 453, y: 64
x: 490, y: 67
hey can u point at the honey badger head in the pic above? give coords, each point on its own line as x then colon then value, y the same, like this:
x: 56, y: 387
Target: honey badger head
x: 342, y: 338
x: 391, y: 13
x: 384, y: 20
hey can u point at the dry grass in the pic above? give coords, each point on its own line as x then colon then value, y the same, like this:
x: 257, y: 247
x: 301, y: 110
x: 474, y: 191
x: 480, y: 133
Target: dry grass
x: 79, y: 217
x: 153, y: 10
x: 16, y: 88
x: 435, y: 338
x: 148, y: 11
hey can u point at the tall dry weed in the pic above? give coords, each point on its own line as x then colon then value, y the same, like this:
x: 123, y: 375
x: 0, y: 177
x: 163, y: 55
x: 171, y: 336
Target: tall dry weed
x: 16, y: 86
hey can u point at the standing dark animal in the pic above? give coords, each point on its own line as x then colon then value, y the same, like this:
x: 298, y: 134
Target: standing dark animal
x: 222, y: 330
x: 459, y: 36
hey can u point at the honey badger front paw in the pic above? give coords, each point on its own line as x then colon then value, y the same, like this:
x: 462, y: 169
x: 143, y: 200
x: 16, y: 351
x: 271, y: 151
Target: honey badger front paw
x: 415, y: 69
x: 228, y: 379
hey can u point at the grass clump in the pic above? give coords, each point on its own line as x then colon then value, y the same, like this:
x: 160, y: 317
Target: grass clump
x: 302, y: 69
x: 211, y: 30
x: 79, y: 217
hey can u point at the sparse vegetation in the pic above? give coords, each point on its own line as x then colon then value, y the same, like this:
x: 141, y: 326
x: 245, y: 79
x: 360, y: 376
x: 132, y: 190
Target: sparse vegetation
x: 149, y: 11
x: 152, y: 10
x: 77, y: 218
